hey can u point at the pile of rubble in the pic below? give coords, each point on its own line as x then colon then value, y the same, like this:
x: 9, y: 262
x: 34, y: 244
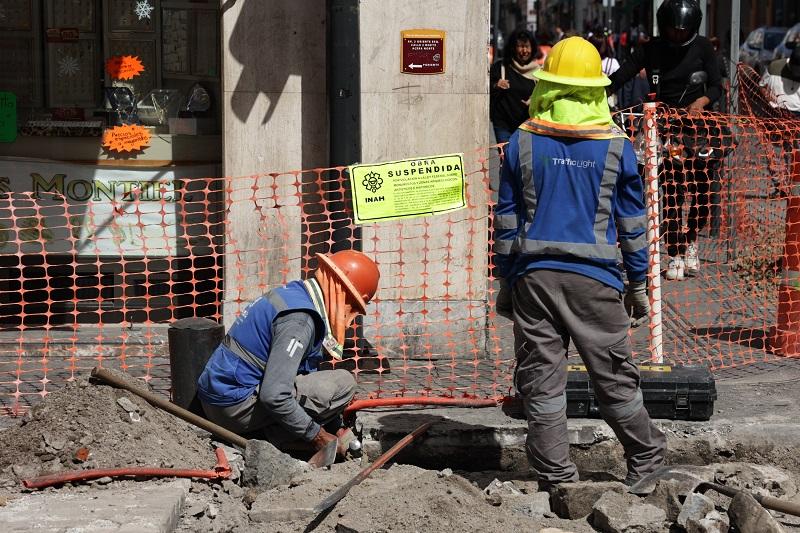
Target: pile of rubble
x: 86, y: 426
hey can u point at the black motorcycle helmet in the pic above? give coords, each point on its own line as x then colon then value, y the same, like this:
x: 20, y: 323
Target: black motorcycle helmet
x: 679, y: 21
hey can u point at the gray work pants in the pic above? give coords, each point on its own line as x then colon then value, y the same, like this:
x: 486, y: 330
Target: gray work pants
x: 323, y: 395
x: 550, y: 308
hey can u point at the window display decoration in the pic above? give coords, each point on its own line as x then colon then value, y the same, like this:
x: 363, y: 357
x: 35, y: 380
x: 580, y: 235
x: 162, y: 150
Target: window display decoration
x: 68, y: 66
x: 143, y: 9
x: 124, y: 67
x: 126, y: 138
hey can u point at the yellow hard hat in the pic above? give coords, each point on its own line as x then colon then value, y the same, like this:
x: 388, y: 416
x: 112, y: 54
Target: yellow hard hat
x: 574, y: 61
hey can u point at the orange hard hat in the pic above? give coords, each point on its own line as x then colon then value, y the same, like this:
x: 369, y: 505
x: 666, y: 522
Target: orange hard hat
x: 358, y: 273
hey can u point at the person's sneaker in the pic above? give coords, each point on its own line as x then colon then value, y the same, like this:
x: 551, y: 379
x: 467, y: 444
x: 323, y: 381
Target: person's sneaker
x: 692, y: 261
x: 675, y: 268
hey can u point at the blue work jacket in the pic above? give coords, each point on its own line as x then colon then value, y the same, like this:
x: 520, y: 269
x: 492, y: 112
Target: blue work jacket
x: 568, y: 196
x: 230, y: 378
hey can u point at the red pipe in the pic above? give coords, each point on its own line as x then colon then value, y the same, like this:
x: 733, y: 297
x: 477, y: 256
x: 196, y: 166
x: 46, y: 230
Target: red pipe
x: 221, y: 471
x: 422, y: 400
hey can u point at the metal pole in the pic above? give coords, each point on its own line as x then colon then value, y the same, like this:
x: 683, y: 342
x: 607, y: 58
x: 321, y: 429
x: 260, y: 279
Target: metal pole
x: 704, y: 21
x: 653, y: 207
x: 656, y: 3
x: 736, y: 22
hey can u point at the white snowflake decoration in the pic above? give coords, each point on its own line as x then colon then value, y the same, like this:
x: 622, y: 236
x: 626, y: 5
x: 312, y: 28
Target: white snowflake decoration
x: 143, y: 9
x: 68, y: 66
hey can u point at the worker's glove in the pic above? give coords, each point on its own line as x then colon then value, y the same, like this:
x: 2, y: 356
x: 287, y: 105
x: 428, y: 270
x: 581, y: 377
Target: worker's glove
x: 503, y: 303
x: 637, y: 302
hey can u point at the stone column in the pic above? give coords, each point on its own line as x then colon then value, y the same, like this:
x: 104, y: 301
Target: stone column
x: 275, y: 120
x: 433, y: 283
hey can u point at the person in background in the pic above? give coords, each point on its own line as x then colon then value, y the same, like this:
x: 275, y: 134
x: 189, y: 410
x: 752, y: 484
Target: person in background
x: 570, y: 200
x: 781, y: 83
x: 263, y: 380
x: 512, y: 82
x: 670, y: 60
x: 609, y: 64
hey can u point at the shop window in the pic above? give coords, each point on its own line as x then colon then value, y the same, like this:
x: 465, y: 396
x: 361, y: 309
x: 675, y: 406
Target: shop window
x: 54, y: 53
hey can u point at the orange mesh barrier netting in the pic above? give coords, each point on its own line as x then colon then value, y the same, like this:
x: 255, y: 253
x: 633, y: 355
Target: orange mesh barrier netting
x: 93, y: 272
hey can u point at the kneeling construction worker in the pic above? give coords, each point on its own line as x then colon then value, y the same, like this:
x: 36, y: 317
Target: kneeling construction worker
x: 569, y: 193
x: 263, y: 380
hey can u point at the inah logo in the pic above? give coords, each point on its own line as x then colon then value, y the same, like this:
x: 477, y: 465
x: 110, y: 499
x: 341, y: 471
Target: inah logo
x: 372, y: 181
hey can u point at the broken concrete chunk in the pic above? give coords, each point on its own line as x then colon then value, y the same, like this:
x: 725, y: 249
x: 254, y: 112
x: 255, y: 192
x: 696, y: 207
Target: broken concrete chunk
x: 266, y: 467
x: 748, y: 516
x: 667, y: 496
x: 232, y: 488
x: 195, y: 508
x: 575, y: 500
x: 623, y: 513
x: 127, y: 404
x: 54, y: 442
x: 694, y: 509
x: 447, y: 472
x: 536, y: 505
x: 714, y: 522
x: 502, y: 488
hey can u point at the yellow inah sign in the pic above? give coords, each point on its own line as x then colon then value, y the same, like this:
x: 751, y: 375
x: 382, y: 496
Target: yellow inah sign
x: 408, y: 188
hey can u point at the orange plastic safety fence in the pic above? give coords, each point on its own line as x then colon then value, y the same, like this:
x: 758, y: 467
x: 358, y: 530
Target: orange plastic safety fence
x: 93, y: 272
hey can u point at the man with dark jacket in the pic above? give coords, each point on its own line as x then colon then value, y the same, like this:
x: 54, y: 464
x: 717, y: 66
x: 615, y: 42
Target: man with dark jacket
x: 263, y: 380
x: 670, y: 60
x: 570, y: 193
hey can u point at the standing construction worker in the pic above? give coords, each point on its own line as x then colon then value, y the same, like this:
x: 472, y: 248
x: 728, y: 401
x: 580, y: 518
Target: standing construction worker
x: 569, y: 192
x: 263, y: 380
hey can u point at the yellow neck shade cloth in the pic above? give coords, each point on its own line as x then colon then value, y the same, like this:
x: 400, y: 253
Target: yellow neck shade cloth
x: 570, y: 104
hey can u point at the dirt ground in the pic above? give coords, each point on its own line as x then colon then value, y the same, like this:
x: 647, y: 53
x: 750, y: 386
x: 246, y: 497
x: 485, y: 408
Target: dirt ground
x: 119, y: 429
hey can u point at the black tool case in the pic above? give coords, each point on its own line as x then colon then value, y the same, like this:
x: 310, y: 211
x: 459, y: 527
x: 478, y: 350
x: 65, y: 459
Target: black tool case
x: 671, y: 392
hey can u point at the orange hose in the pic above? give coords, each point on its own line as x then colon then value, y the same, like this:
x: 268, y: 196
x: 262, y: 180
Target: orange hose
x: 221, y: 471
x: 422, y: 400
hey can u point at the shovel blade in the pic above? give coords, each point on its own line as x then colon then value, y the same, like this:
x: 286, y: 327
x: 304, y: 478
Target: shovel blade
x: 325, y: 457
x: 687, y: 479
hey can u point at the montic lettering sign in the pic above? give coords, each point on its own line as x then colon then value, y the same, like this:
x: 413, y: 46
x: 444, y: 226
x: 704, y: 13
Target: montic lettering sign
x: 109, y: 212
x: 83, y: 189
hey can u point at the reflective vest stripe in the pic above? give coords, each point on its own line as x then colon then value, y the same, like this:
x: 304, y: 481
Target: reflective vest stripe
x: 526, y: 168
x: 503, y: 246
x: 633, y: 245
x: 505, y: 221
x: 243, y: 353
x: 577, y: 249
x: 607, y: 184
x: 631, y: 224
x: 277, y: 301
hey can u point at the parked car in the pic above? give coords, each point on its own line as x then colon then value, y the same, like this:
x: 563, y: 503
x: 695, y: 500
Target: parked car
x: 788, y: 43
x: 759, y: 46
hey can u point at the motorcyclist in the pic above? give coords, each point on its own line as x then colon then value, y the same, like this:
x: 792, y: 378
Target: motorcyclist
x: 670, y: 60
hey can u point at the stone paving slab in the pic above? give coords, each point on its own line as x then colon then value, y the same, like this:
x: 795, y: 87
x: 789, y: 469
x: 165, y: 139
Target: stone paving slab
x: 134, y: 507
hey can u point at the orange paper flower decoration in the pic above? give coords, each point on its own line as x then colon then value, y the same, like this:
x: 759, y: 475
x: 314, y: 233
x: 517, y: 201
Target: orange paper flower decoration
x: 129, y: 138
x: 124, y: 67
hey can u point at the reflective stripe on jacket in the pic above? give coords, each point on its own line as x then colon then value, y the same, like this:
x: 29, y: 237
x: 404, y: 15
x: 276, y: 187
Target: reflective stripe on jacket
x: 568, y: 195
x: 230, y: 377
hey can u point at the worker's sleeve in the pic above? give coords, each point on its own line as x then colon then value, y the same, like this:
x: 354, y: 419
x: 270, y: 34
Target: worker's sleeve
x: 627, y: 70
x: 508, y: 213
x: 292, y: 336
x: 630, y: 217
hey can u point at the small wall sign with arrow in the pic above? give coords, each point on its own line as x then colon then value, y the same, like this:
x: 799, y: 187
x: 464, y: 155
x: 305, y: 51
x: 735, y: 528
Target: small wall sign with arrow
x: 422, y: 51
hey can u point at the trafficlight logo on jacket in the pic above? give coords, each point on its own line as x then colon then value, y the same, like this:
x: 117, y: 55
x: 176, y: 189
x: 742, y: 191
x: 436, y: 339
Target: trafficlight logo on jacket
x: 569, y: 162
